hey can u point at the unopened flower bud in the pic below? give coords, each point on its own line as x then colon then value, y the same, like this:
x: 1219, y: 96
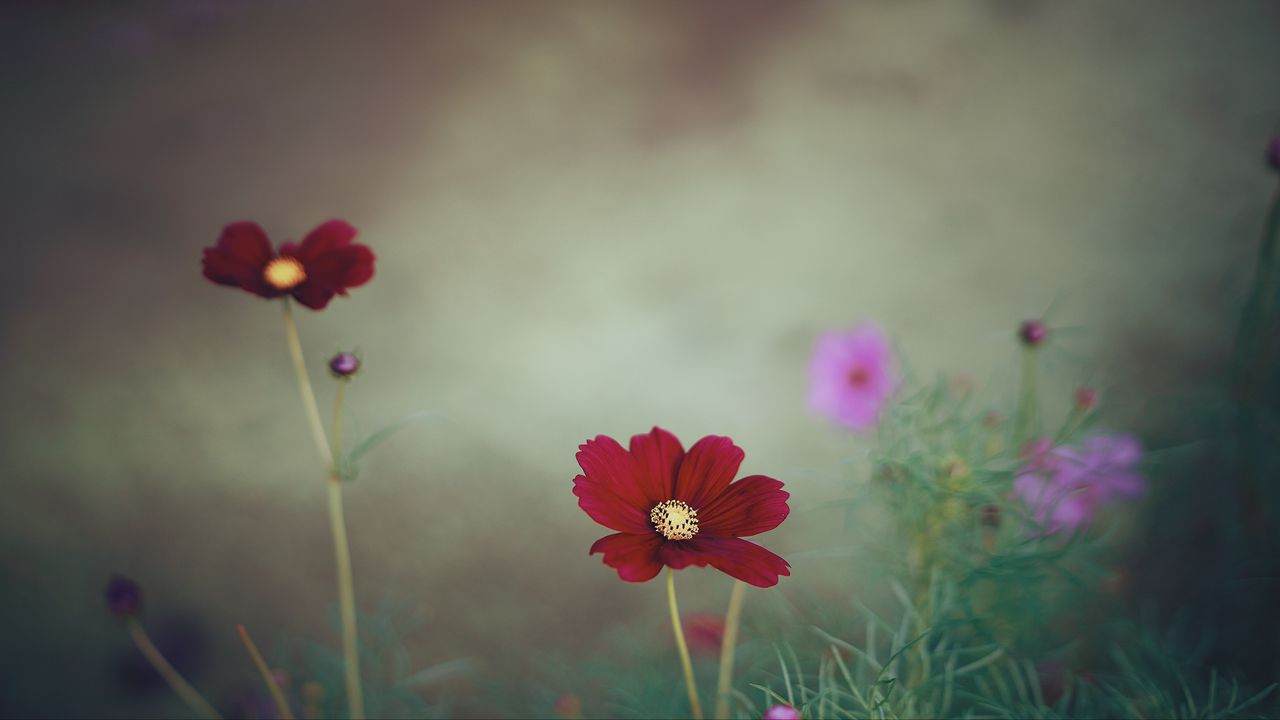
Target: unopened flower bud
x: 1086, y: 398
x: 344, y: 365
x: 124, y: 597
x: 990, y: 515
x: 567, y: 707
x: 1033, y: 333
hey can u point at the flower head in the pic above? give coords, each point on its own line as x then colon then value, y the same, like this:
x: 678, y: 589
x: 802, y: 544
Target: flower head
x: 326, y: 263
x: 124, y: 597
x: 344, y: 365
x: 781, y: 712
x: 679, y: 509
x: 1065, y: 486
x: 851, y: 376
x: 1033, y: 333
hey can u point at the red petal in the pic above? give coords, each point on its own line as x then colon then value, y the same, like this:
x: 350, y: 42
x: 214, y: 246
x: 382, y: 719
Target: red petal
x: 342, y: 268
x: 707, y: 470
x: 325, y: 238
x: 750, y: 506
x: 735, y: 557
x: 313, y: 295
x: 239, y: 256
x: 657, y: 456
x: 633, y: 556
x: 610, y: 469
x: 606, y: 507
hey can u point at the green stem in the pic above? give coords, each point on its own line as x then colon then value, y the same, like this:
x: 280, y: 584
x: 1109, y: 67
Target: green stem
x: 180, y: 686
x: 1071, y: 424
x: 1026, y: 398
x: 346, y: 600
x: 727, y: 647
x: 337, y: 425
x: 685, y: 663
x: 282, y: 705
x: 304, y: 385
x: 341, y: 550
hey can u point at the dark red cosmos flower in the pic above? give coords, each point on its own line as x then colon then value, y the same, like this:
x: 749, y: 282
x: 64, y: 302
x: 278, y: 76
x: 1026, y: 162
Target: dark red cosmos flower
x: 324, y: 264
x: 679, y: 509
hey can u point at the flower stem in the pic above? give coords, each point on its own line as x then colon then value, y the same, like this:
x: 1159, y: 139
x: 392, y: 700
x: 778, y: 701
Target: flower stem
x: 341, y: 551
x: 170, y: 675
x: 727, y: 647
x: 687, y: 665
x: 338, y: 398
x: 1071, y: 424
x: 1026, y: 398
x: 282, y: 705
x: 346, y: 599
x: 304, y: 384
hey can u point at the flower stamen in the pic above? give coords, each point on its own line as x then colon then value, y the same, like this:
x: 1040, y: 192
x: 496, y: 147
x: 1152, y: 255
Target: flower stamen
x: 284, y: 273
x: 675, y: 520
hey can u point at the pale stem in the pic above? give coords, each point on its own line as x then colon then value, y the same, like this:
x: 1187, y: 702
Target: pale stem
x: 727, y: 647
x: 304, y: 384
x: 346, y: 599
x: 686, y: 664
x: 282, y: 705
x: 341, y: 551
x: 1027, y: 398
x: 170, y: 675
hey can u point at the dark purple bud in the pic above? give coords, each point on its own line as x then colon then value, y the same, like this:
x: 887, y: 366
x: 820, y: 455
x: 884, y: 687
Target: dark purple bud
x: 990, y: 515
x: 344, y: 365
x: 1032, y: 333
x: 124, y: 597
x: 782, y: 712
x: 1273, y: 153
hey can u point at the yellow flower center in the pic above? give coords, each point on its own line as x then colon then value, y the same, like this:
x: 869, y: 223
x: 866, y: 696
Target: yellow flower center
x: 675, y: 520
x: 284, y: 273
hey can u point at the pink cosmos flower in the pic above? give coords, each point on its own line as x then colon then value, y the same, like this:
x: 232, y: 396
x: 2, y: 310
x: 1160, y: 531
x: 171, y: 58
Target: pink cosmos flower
x: 1066, y: 486
x: 781, y: 712
x: 852, y: 376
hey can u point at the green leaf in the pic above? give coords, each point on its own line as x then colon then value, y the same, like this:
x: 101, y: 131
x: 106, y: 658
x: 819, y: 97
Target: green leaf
x: 350, y: 466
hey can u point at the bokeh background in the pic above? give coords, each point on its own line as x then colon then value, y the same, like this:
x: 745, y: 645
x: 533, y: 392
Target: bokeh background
x: 590, y: 218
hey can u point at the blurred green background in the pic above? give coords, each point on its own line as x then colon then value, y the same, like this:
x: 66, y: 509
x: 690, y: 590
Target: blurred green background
x: 590, y: 218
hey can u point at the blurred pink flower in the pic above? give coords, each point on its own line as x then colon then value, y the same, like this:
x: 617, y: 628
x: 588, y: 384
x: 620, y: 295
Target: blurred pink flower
x: 704, y: 632
x: 1065, y: 486
x: 852, y: 375
x: 781, y: 712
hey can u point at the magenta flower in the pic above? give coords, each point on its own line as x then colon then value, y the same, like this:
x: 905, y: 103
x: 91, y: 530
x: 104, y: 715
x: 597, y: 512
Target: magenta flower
x: 782, y: 712
x: 1065, y: 486
x: 852, y: 376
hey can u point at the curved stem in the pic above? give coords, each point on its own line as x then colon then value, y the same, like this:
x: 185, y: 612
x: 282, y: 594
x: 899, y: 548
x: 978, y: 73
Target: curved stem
x: 727, y: 647
x: 170, y: 675
x: 682, y: 646
x: 304, y: 384
x: 282, y: 705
